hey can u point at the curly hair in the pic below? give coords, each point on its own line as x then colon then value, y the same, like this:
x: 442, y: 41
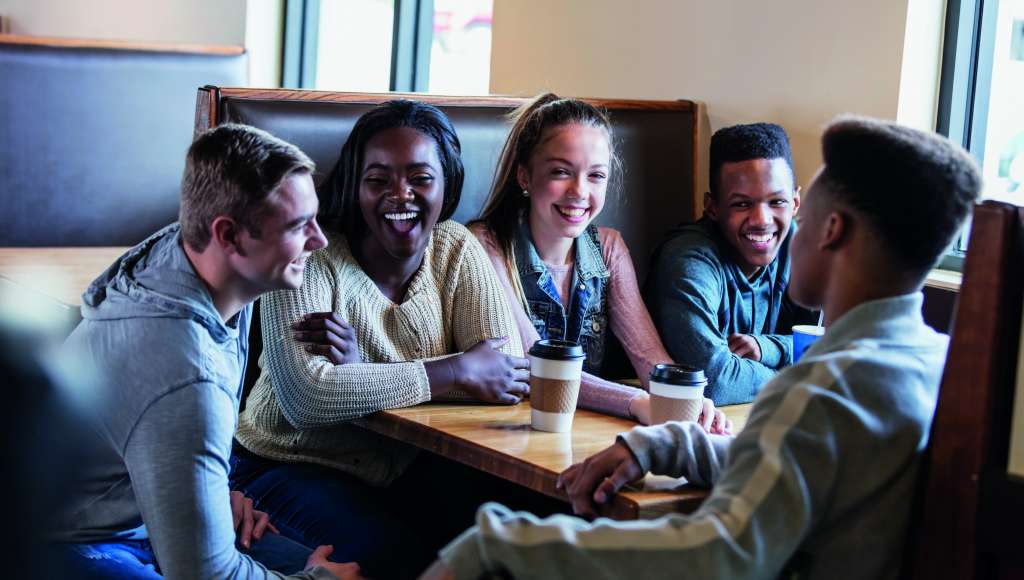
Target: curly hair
x: 746, y: 142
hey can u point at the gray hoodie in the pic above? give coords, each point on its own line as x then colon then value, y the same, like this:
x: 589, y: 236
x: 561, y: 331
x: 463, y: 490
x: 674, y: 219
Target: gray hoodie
x: 171, y: 375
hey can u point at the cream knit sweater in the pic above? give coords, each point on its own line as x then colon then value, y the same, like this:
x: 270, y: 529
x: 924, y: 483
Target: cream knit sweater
x: 299, y: 407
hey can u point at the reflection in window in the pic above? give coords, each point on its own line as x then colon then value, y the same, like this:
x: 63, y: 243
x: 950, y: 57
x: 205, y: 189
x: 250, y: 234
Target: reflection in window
x: 460, y: 55
x: 354, y: 45
x: 1003, y: 164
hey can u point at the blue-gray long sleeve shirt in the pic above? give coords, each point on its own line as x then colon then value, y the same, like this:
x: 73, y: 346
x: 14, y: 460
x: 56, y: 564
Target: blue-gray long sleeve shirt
x: 818, y: 485
x: 172, y: 376
x: 698, y: 296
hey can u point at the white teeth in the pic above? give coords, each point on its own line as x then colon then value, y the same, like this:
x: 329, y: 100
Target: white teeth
x: 409, y: 215
x: 759, y: 237
x: 572, y: 211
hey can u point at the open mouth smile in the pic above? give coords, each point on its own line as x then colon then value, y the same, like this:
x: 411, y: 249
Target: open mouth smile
x: 573, y: 214
x: 402, y: 222
x: 760, y: 241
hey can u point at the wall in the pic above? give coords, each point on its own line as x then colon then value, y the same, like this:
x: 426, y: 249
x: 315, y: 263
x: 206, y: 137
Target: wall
x: 922, y: 63
x: 795, y: 62
x: 255, y: 24
x: 178, y: 21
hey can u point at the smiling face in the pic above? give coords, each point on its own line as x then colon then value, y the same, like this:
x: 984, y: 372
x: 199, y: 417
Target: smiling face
x: 401, y: 192
x: 567, y: 179
x: 288, y: 234
x: 755, y: 204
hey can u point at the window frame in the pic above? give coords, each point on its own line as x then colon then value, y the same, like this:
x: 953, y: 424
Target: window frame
x: 964, y: 87
x: 411, y: 39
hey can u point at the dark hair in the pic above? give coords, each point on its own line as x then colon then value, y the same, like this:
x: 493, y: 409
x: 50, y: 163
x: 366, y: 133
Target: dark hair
x: 231, y: 170
x: 506, y: 202
x: 339, y: 194
x: 914, y: 189
x: 746, y: 142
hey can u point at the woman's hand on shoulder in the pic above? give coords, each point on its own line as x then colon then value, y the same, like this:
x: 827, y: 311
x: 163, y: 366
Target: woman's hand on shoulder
x: 491, y: 375
x: 329, y: 335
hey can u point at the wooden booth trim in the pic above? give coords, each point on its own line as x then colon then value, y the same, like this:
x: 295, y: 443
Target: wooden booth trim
x: 967, y: 454
x: 213, y: 96
x: 55, y: 42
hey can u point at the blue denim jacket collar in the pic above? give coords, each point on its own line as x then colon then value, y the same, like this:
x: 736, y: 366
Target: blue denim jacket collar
x: 589, y: 263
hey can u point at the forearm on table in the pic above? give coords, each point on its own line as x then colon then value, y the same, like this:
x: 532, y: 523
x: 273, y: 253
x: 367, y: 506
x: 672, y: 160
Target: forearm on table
x: 776, y: 349
x: 597, y: 394
x: 316, y: 394
x: 679, y: 449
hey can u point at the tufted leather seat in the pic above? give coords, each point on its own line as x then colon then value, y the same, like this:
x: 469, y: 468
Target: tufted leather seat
x: 655, y: 141
x: 93, y: 136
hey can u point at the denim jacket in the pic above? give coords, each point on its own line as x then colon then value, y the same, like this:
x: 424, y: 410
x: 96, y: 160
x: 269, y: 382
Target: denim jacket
x: 586, y: 321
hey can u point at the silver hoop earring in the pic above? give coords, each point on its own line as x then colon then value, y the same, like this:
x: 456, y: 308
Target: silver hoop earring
x: 526, y: 193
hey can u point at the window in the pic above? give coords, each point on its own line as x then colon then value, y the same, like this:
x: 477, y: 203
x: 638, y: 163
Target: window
x: 980, y: 104
x: 460, y: 54
x: 437, y: 46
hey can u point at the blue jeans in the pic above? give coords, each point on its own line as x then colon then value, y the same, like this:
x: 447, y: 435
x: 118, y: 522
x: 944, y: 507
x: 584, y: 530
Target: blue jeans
x: 318, y: 505
x: 134, y: 559
x: 392, y: 532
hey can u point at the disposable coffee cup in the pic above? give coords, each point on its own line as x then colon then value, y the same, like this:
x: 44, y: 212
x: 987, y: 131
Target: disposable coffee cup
x: 677, y: 393
x: 555, y: 370
x: 803, y: 336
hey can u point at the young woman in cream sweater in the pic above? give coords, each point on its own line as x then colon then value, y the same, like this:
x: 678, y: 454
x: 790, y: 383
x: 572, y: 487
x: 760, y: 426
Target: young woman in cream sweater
x: 401, y: 308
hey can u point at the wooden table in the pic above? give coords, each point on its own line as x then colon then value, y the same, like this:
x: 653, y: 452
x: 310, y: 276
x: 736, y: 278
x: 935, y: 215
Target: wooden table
x: 499, y: 440
x: 495, y: 439
x: 59, y: 273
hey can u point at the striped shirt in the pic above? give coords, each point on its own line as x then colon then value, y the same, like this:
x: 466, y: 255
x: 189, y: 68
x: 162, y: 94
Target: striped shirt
x: 819, y: 482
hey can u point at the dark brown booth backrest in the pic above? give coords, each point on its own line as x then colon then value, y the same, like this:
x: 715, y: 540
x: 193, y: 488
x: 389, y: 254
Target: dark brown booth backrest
x: 93, y: 136
x: 655, y: 141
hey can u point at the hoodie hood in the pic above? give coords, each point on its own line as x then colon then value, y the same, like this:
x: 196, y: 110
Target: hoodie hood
x: 155, y: 280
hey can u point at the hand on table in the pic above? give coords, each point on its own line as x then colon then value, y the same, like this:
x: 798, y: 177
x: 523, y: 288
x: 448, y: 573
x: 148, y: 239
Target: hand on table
x: 640, y: 408
x: 249, y: 523
x: 714, y: 420
x: 346, y: 571
x: 745, y: 346
x: 599, y: 477
x: 329, y: 335
x: 711, y: 419
x: 491, y: 375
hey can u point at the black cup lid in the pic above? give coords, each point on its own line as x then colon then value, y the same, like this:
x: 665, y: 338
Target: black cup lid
x: 557, y: 350
x: 678, y: 375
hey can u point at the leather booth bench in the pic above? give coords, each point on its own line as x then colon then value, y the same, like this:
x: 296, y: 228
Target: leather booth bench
x: 655, y: 140
x: 93, y: 136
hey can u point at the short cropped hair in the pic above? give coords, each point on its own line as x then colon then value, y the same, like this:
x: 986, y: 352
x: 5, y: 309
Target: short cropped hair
x: 915, y: 189
x: 746, y: 142
x: 339, y: 194
x: 232, y: 170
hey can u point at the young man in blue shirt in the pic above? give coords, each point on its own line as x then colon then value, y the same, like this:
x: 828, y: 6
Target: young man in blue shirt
x: 717, y: 287
x: 820, y: 482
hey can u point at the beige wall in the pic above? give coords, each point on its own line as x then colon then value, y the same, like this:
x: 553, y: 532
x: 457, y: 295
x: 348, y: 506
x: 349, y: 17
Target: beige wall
x: 255, y: 24
x: 795, y: 62
x: 179, y: 21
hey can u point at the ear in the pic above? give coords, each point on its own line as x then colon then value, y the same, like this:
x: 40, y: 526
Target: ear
x: 522, y: 177
x: 796, y: 200
x: 836, y: 232
x: 710, y: 209
x: 225, y: 232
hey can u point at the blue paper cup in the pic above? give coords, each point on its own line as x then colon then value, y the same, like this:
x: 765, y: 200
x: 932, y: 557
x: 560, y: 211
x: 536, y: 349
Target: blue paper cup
x: 803, y: 336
